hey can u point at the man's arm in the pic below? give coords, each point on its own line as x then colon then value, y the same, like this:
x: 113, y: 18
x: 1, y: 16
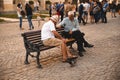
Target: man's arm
x: 58, y: 35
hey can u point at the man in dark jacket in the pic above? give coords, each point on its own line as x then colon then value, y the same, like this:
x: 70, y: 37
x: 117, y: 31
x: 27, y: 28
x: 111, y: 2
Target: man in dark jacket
x: 29, y: 15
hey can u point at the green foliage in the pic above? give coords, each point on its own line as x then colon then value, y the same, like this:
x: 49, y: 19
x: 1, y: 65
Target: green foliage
x: 9, y: 15
x: 43, y: 14
x: 1, y: 20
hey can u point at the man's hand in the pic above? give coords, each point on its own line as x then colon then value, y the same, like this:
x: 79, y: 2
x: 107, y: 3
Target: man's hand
x: 64, y: 40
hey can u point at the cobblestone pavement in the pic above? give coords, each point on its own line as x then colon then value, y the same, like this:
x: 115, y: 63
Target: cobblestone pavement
x: 101, y: 62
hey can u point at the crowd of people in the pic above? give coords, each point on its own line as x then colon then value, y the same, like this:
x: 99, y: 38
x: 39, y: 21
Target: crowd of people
x: 94, y: 8
x: 88, y: 10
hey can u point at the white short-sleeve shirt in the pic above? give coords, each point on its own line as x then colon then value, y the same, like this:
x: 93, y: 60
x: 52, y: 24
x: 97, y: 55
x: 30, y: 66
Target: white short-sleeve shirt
x: 86, y: 6
x: 46, y: 31
x: 18, y: 12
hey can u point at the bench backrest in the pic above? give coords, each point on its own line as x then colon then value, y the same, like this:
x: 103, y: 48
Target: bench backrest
x: 35, y: 37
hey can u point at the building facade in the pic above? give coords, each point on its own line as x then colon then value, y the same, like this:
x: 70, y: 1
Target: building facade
x: 10, y: 5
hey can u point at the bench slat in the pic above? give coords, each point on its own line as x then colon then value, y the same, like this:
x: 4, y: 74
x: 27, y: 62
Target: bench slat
x: 32, y: 39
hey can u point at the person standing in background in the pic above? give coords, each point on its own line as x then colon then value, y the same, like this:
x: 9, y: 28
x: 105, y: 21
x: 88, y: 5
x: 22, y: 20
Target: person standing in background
x: 29, y: 15
x: 61, y: 10
x: 36, y: 6
x: 50, y: 10
x: 86, y: 10
x: 80, y: 11
x: 113, y: 9
x: 105, y: 8
x: 19, y: 9
x: 67, y: 8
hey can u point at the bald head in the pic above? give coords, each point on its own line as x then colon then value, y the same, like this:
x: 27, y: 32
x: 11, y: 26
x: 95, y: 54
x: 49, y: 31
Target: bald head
x: 71, y: 15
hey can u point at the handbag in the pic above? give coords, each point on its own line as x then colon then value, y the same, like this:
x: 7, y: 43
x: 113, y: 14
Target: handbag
x: 22, y: 13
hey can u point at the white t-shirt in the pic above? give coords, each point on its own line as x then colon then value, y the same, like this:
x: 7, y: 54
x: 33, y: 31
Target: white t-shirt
x: 18, y: 12
x: 86, y: 6
x: 46, y: 31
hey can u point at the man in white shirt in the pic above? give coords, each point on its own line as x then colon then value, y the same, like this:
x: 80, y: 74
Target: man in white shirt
x: 86, y: 10
x: 51, y: 37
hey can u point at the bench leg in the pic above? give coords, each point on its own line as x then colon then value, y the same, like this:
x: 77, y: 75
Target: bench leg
x: 26, y: 59
x: 38, y: 63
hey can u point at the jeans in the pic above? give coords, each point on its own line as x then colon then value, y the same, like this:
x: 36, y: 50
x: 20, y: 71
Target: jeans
x: 29, y: 17
x: 104, y: 18
x: 96, y: 17
x: 20, y: 18
x: 80, y: 18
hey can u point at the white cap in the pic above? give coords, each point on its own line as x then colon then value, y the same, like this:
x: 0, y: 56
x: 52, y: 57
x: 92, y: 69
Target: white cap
x: 54, y: 18
x: 70, y: 13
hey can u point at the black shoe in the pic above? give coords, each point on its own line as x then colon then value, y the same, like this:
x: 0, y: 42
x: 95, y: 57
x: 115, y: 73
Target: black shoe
x: 32, y: 27
x: 80, y: 54
x: 82, y: 50
x: 70, y: 61
x: 88, y: 45
x: 84, y: 23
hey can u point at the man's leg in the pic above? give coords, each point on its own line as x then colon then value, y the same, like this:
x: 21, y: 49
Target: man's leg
x: 78, y: 37
x: 64, y: 51
x: 80, y: 40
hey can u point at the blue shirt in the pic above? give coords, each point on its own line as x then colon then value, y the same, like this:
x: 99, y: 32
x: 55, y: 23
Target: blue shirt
x: 105, y: 6
x: 69, y: 25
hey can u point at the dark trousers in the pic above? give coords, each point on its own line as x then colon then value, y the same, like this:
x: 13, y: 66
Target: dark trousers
x: 20, y: 18
x: 96, y: 17
x: 80, y: 18
x: 78, y: 36
x: 104, y: 18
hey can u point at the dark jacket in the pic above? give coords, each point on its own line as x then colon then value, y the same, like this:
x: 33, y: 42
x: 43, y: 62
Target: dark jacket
x: 28, y: 10
x: 81, y: 8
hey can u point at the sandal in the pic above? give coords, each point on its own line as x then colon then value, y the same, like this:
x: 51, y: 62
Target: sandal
x: 68, y: 60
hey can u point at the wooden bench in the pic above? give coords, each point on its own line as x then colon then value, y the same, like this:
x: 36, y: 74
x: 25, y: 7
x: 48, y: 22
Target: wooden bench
x: 33, y: 43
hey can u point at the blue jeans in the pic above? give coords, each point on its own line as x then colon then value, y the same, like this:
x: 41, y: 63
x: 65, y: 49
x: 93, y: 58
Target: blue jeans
x: 20, y: 18
x: 104, y: 18
x: 29, y: 17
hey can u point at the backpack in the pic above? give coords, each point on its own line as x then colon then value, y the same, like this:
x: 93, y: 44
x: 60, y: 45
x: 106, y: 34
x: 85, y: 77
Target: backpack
x: 96, y: 9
